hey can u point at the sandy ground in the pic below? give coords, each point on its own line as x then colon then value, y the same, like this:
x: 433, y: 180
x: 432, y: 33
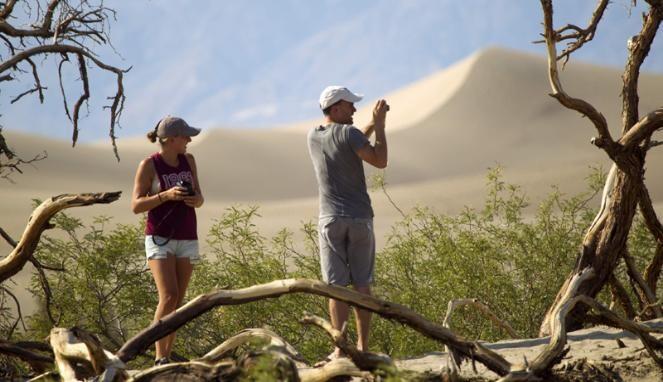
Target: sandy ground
x: 597, y: 346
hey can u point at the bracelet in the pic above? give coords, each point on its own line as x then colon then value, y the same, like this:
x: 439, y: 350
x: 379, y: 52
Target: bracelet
x: 159, y: 196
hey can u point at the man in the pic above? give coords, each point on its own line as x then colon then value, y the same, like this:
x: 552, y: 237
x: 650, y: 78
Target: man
x: 347, y: 242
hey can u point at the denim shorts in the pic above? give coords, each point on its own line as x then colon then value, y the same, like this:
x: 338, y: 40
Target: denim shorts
x: 347, y: 250
x: 178, y: 248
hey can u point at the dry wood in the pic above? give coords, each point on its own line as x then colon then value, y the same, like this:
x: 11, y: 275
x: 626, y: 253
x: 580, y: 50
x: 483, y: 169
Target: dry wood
x: 555, y: 349
x: 363, y: 360
x: 643, y: 290
x: 481, y: 307
x: 607, y: 237
x: 38, y: 362
x: 653, y: 269
x: 73, y: 347
x: 246, y: 335
x: 454, y: 360
x: 638, y: 46
x: 62, y: 28
x: 335, y: 368
x: 579, y: 105
x: 619, y: 295
x: 189, y: 371
x: 400, y: 313
x: 39, y: 221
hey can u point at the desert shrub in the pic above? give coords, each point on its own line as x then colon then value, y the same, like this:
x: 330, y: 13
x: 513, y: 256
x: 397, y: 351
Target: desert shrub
x: 510, y: 261
x: 240, y: 257
x: 508, y: 254
x: 104, y: 287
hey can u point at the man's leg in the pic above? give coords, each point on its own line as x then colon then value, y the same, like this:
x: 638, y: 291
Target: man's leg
x: 363, y: 318
x: 339, y: 312
x: 361, y: 257
x: 333, y: 266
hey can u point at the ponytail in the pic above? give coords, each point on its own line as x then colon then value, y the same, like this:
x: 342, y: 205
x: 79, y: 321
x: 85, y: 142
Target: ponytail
x: 152, y: 135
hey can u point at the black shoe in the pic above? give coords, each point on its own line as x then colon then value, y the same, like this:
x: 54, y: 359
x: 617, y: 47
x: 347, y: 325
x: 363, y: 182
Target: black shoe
x: 161, y: 361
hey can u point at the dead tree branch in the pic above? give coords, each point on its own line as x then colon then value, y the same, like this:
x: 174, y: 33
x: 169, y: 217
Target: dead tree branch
x: 13, y: 163
x: 117, y: 100
x: 580, y: 36
x: 555, y: 349
x: 39, y: 221
x: 400, y: 313
x: 619, y: 295
x: 643, y: 290
x: 38, y: 362
x: 65, y: 28
x: 19, y: 319
x: 74, y: 346
x: 336, y: 368
x: 246, y: 335
x: 363, y: 360
x: 484, y: 309
x: 7, y: 238
x: 583, y: 107
x: 653, y: 269
x: 638, y: 47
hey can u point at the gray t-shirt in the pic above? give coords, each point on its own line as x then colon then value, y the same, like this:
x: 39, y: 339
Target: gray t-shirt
x: 340, y: 171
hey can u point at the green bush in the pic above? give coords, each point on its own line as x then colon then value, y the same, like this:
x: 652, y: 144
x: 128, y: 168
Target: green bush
x: 508, y: 254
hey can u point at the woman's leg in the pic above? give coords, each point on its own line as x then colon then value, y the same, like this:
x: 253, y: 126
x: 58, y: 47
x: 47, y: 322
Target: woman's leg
x: 165, y: 277
x: 183, y: 270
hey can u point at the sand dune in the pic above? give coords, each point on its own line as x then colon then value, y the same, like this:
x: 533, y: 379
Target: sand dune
x: 444, y: 132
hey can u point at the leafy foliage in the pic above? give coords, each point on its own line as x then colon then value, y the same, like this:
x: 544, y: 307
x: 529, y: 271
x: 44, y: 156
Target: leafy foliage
x: 509, y: 255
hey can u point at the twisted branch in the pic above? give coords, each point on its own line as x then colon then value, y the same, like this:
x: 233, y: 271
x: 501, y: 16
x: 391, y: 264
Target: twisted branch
x: 400, y: 313
x: 604, y: 140
x: 39, y: 221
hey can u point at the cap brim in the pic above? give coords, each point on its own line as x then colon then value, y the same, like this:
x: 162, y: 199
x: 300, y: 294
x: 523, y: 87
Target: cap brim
x: 192, y: 131
x: 355, y: 98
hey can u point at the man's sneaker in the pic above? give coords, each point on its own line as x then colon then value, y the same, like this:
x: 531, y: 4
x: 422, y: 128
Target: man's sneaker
x: 161, y: 361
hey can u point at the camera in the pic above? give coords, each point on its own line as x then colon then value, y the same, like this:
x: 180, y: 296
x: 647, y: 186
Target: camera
x: 187, y: 186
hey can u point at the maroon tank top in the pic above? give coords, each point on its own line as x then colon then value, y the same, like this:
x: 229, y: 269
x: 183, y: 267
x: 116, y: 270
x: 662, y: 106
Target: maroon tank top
x: 172, y: 219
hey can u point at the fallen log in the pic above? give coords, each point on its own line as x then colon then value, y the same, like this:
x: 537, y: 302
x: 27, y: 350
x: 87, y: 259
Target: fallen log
x: 397, y: 312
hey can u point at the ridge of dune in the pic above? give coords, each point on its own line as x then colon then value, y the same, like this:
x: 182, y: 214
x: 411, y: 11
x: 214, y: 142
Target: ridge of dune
x: 412, y: 103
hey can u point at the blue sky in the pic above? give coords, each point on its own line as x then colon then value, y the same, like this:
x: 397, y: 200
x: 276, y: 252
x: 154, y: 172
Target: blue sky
x: 240, y: 63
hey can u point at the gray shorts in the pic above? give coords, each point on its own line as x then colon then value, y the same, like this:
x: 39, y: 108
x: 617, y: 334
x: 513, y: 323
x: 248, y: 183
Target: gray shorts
x: 347, y: 250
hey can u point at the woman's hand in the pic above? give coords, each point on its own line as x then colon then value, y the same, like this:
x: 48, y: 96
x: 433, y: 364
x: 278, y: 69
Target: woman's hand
x: 176, y: 193
x: 194, y: 201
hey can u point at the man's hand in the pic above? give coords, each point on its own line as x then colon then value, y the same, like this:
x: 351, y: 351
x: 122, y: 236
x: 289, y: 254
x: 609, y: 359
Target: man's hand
x: 380, y: 112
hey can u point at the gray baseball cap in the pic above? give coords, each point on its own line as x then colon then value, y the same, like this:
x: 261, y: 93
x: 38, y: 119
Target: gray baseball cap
x: 175, y: 127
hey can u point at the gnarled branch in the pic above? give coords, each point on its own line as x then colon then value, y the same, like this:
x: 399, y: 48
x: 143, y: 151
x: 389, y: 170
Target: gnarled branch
x: 364, y: 360
x: 604, y: 140
x: 400, y: 313
x: 246, y: 335
x: 39, y: 221
x: 638, y: 46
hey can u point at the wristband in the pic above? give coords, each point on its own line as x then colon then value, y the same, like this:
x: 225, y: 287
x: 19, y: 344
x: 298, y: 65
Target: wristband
x: 159, y: 196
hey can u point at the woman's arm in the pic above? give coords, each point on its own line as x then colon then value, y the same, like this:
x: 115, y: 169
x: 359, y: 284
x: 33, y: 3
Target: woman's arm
x: 196, y: 200
x: 141, y: 200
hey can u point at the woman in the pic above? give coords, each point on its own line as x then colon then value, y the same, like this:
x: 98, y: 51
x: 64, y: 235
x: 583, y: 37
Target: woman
x: 167, y: 187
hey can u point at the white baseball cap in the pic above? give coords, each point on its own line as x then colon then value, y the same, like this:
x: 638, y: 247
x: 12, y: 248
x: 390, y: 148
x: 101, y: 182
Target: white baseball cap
x: 333, y: 94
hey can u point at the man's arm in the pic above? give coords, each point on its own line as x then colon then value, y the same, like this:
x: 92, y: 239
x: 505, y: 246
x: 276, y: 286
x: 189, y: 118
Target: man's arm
x: 368, y: 129
x: 376, y: 154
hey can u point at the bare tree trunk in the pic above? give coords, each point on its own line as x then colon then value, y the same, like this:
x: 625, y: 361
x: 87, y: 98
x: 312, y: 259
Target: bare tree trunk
x: 601, y: 248
x: 606, y: 238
